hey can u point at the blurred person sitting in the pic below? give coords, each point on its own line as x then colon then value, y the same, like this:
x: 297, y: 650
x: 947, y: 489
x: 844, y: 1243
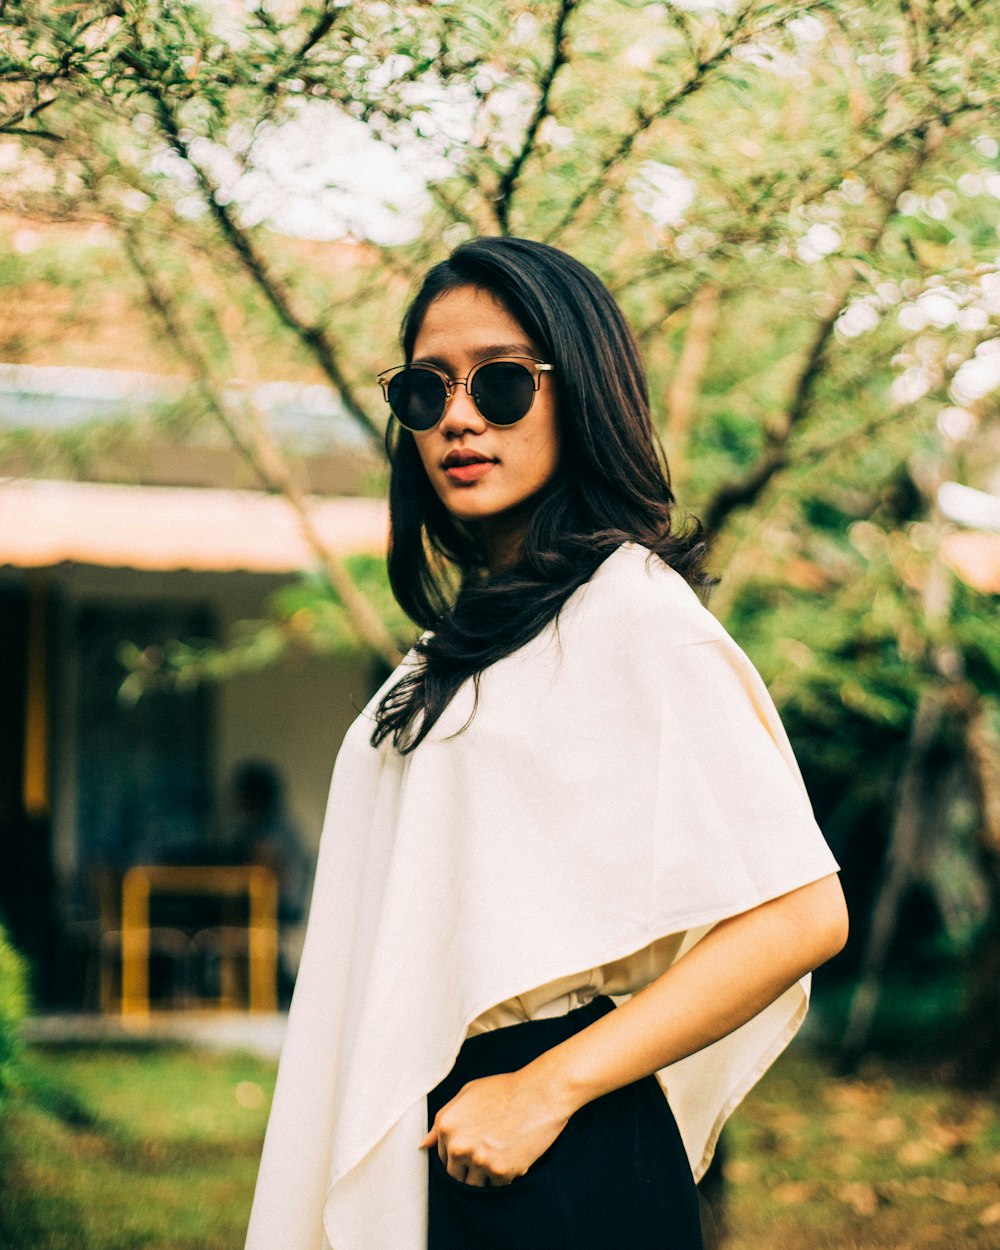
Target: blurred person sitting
x: 264, y: 832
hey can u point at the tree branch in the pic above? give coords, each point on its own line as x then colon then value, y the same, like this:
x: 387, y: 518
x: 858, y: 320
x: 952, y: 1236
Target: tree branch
x: 293, y: 64
x: 765, y: 225
x: 684, y: 385
x: 557, y: 59
x: 263, y: 455
x: 701, y: 73
x: 906, y: 838
x: 274, y: 291
x: 741, y: 492
x: 25, y: 113
x: 50, y: 135
x: 329, y: 15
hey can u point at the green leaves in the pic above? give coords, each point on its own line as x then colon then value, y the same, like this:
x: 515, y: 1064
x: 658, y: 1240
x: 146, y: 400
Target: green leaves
x: 304, y: 619
x: 13, y: 1009
x: 831, y: 181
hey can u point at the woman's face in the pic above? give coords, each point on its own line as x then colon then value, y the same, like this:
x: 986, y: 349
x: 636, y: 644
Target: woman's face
x: 461, y: 328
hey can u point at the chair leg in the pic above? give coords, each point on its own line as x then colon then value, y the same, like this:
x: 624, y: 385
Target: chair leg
x: 108, y: 1001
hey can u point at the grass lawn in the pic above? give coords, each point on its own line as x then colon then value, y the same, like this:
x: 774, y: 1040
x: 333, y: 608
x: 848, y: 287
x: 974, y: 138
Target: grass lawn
x: 126, y: 1148
x: 889, y: 1160
x: 122, y: 1147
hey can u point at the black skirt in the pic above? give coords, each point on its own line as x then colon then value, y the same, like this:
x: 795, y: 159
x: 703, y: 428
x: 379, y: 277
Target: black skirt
x: 616, y: 1177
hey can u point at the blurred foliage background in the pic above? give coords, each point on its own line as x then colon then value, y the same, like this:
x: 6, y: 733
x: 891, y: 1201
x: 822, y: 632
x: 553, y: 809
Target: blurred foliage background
x: 13, y: 1006
x: 798, y: 206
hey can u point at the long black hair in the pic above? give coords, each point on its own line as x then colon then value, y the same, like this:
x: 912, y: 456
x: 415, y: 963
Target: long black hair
x: 611, y: 486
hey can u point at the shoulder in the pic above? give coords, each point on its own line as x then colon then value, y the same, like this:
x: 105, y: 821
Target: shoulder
x: 634, y: 593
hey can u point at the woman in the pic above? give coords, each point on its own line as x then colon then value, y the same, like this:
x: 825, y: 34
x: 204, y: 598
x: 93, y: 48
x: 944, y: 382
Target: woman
x: 575, y: 786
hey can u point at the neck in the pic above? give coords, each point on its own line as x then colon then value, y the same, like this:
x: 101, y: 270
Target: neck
x: 503, y: 539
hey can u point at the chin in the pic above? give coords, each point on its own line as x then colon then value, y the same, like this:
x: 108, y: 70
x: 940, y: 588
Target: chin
x: 469, y: 502
x: 470, y: 510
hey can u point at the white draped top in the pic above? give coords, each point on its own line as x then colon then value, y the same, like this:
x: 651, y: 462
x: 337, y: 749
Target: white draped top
x: 622, y: 784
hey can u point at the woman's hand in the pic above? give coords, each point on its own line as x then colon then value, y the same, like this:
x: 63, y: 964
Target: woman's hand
x: 495, y: 1128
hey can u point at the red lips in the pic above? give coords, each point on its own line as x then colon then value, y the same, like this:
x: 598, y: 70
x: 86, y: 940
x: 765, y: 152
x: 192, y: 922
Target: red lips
x: 465, y: 468
x: 464, y: 455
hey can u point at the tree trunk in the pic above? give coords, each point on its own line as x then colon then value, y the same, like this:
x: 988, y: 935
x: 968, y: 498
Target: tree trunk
x: 979, y: 1055
x: 901, y: 861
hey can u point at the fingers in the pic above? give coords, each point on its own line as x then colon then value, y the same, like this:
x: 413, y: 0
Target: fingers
x: 467, y: 1174
x: 481, y: 1179
x: 478, y: 1179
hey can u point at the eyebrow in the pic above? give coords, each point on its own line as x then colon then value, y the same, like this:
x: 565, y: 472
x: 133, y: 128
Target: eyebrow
x: 482, y: 353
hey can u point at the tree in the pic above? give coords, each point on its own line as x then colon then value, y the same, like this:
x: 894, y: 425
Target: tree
x: 797, y: 204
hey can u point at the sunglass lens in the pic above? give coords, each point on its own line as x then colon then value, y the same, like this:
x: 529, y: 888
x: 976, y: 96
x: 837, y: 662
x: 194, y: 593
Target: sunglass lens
x: 417, y: 398
x: 503, y: 391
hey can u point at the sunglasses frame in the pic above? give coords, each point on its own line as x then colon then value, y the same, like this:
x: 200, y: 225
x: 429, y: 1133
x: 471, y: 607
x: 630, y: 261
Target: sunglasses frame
x: 450, y: 383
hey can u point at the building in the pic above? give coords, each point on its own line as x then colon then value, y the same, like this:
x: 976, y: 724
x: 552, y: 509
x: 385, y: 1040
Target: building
x: 173, y: 547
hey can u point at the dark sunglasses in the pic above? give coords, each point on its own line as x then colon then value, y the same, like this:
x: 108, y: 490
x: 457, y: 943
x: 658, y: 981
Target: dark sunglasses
x: 502, y: 390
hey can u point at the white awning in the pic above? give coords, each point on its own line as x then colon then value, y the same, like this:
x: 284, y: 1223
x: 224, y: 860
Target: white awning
x: 166, y: 528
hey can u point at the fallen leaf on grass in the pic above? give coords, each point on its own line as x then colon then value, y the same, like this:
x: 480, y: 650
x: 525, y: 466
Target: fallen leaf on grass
x: 790, y: 1193
x: 862, y: 1198
x: 955, y: 1191
x: 889, y: 1128
x: 853, y: 1095
x: 956, y: 1138
x: 991, y: 1215
x: 918, y: 1152
x: 899, y: 1191
x: 847, y: 1126
x: 739, y: 1171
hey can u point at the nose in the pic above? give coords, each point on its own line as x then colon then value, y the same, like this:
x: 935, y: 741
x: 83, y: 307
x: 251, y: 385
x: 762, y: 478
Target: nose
x: 461, y: 416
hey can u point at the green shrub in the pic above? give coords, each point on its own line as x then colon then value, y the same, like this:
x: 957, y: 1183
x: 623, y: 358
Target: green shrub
x: 13, y: 1006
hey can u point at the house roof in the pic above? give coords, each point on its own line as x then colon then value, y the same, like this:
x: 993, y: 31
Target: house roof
x: 55, y: 397
x: 164, y: 528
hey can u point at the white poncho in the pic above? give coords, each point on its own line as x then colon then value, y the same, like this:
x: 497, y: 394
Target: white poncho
x: 625, y: 777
